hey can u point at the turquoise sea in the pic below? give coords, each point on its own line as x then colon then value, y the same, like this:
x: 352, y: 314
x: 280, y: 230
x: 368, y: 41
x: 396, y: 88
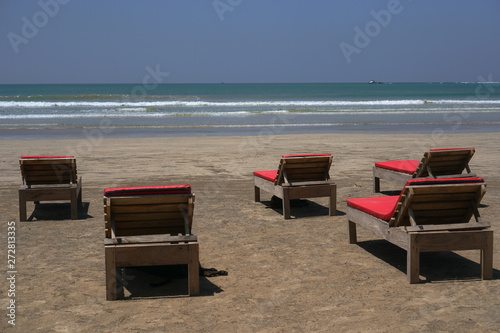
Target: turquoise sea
x: 33, y: 111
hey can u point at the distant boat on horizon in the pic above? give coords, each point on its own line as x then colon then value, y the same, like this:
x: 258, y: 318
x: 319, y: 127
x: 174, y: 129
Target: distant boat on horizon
x: 374, y: 82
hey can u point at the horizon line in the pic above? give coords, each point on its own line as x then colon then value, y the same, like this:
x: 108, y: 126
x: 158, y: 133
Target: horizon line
x: 222, y: 83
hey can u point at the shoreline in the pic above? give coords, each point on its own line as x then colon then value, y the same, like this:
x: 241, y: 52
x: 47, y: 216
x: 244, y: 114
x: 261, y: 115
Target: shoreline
x: 237, y: 130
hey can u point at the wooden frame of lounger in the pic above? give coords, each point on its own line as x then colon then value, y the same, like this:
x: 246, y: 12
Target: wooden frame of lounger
x: 149, y: 230
x: 447, y: 163
x: 49, y: 179
x: 431, y: 219
x: 300, y: 177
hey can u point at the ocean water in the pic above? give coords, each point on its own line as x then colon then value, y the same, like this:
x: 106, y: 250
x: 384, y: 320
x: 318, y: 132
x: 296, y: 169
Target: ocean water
x: 240, y: 109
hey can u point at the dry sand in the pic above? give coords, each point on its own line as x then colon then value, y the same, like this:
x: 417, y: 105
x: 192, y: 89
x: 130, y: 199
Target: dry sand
x: 297, y: 275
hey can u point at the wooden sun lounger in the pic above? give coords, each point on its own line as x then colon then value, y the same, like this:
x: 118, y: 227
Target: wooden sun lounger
x: 430, y: 215
x: 298, y: 176
x: 436, y: 163
x: 149, y: 226
x: 49, y: 178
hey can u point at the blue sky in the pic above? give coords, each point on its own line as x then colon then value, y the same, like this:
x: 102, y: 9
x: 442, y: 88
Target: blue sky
x: 195, y: 41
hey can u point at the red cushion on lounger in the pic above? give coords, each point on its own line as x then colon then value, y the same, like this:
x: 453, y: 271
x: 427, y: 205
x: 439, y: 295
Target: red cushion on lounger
x: 405, y: 166
x: 267, y: 175
x: 380, y: 207
x: 438, y: 149
x: 306, y: 155
x: 383, y: 207
x: 32, y: 157
x: 147, y: 190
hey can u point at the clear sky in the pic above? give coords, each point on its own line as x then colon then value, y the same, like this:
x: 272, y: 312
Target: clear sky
x: 204, y: 41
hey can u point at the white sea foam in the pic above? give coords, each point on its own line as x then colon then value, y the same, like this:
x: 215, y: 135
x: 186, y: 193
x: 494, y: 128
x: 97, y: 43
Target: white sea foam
x: 139, y: 106
x: 88, y: 115
x: 275, y: 112
x: 133, y: 109
x: 39, y: 104
x: 473, y: 101
x: 216, y: 113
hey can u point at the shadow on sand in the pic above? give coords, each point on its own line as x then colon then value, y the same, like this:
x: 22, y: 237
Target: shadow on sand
x: 299, y: 208
x: 162, y: 281
x: 434, y: 266
x: 58, y: 211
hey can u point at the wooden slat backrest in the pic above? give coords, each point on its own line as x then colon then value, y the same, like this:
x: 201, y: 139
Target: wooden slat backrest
x: 438, y: 204
x: 444, y: 162
x: 303, y: 169
x: 48, y: 171
x: 148, y: 214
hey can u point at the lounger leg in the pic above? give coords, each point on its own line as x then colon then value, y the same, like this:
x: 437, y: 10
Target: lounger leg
x: 487, y: 258
x: 333, y: 199
x: 74, y: 204
x: 79, y: 194
x: 286, y: 204
x: 109, y: 254
x: 353, y: 238
x: 376, y: 184
x: 22, y: 206
x: 257, y: 194
x: 413, y: 260
x: 194, y: 270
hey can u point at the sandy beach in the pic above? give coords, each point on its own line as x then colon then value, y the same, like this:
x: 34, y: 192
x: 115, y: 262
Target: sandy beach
x: 297, y: 275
